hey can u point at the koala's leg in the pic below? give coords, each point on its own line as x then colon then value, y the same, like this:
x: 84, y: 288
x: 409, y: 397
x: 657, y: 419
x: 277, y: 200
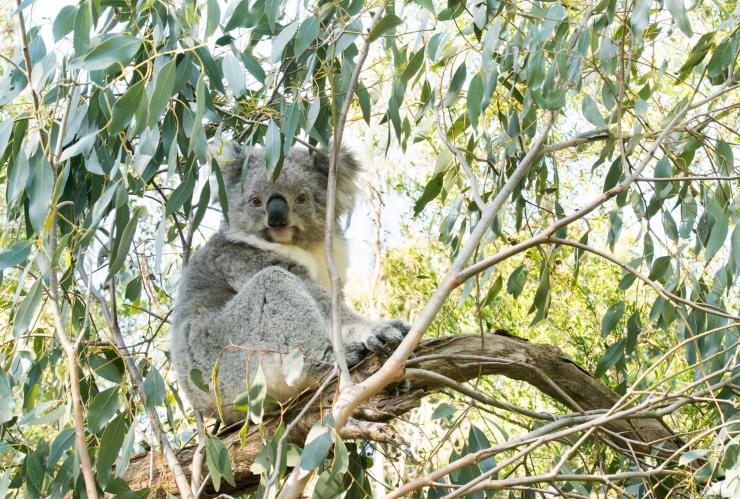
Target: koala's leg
x: 272, y: 315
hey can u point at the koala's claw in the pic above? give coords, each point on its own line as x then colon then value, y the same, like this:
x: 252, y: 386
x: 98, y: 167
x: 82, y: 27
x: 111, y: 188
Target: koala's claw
x: 386, y: 336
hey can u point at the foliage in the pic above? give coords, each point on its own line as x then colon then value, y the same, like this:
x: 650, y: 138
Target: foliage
x: 107, y: 116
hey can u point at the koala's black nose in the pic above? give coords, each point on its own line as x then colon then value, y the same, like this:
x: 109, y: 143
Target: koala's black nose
x: 277, y: 212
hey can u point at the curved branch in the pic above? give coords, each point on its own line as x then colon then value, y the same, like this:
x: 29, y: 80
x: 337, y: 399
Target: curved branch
x: 543, y: 366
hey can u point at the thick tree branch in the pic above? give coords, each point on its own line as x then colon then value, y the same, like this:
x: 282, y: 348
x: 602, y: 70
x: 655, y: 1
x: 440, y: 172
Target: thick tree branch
x: 543, y: 366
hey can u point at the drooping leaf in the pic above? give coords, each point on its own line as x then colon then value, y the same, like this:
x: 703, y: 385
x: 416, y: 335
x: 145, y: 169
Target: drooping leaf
x: 591, y: 112
x: 458, y: 78
x: 102, y: 408
x: 110, y: 446
x: 214, y: 17
x: 612, y: 317
x: 431, y: 191
x: 292, y: 367
x: 217, y: 460
x: 121, y: 249
x: 306, y: 35
x: 27, y: 310
x: 385, y: 25
x: 233, y: 74
x: 517, y: 279
x: 16, y: 254
x: 64, y: 22
x: 318, y: 443
x: 124, y: 108
x: 154, y: 388
x: 163, y: 90
x: 677, y: 8
x: 118, y: 49
x: 284, y: 37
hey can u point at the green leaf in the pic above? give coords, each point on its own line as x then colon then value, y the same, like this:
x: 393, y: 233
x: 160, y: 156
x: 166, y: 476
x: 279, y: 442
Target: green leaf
x: 222, y: 197
x: 292, y: 367
x: 388, y: 23
x: 591, y: 112
x: 678, y: 11
x: 198, y: 142
x: 443, y: 411
x: 164, y: 87
x: 154, y: 388
x: 123, y: 243
x: 203, y: 202
x: 659, y: 268
x: 413, y: 66
x: 283, y: 38
x: 125, y: 107
x: 124, y: 458
x: 196, y: 376
x: 257, y: 394
x: 217, y: 460
x: 431, y: 191
x: 182, y: 194
x: 306, y: 35
x: 6, y: 128
x: 517, y: 279
x: 721, y: 59
x: 612, y: 317
x: 82, y: 146
x: 103, y: 406
x: 234, y: 75
x: 63, y: 442
x: 541, y: 301
x: 691, y: 456
x: 40, y: 192
x: 363, y: 96
x: 214, y: 17
x: 613, y: 355
x: 475, y: 99
x: 253, y: 66
x: 329, y: 484
x: 318, y: 443
x: 725, y: 159
x: 427, y: 4
x: 16, y: 254
x: 27, y: 310
x: 239, y: 16
x: 273, y: 149
x: 458, y: 78
x: 719, y: 230
x: 118, y: 49
x: 110, y: 445
x: 81, y: 39
x: 64, y: 22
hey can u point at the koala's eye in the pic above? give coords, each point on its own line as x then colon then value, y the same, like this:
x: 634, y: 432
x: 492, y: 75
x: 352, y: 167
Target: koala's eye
x: 302, y: 198
x: 256, y: 202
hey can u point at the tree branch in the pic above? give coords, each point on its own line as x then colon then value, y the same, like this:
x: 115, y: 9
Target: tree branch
x: 511, y: 357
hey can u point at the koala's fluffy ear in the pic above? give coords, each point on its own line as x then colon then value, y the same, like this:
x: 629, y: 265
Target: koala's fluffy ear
x: 230, y: 156
x: 348, y: 170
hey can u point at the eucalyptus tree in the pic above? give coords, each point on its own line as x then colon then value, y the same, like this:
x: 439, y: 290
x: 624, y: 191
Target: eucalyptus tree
x: 560, y: 133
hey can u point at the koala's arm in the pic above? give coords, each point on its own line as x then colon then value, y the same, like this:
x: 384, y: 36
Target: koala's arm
x: 360, y: 335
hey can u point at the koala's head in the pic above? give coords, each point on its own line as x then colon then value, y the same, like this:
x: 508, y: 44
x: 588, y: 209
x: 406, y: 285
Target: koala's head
x: 292, y: 209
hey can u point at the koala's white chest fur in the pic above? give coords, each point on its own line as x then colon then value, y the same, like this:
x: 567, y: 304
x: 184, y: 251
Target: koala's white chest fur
x: 313, y: 257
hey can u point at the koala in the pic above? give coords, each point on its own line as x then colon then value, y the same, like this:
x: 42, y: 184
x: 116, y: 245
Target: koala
x: 259, y: 289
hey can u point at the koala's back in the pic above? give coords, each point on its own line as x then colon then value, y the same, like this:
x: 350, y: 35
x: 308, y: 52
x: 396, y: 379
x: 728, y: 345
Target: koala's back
x: 204, y: 290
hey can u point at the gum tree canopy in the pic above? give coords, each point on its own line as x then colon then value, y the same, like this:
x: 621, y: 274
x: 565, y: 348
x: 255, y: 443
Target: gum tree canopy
x: 565, y: 170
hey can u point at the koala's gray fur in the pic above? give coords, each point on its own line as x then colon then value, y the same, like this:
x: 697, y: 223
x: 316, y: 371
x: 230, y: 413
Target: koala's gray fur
x: 253, y: 294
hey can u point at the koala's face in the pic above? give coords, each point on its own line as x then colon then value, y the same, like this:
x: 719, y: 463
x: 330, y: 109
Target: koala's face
x: 291, y: 210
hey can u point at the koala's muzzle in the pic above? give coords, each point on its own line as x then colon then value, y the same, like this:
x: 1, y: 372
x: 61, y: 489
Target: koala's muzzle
x: 277, y: 212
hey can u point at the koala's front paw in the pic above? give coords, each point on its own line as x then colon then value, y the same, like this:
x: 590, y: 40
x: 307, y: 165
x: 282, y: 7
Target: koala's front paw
x: 385, y: 336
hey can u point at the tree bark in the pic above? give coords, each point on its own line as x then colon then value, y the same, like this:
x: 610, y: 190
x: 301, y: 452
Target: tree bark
x: 543, y: 366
